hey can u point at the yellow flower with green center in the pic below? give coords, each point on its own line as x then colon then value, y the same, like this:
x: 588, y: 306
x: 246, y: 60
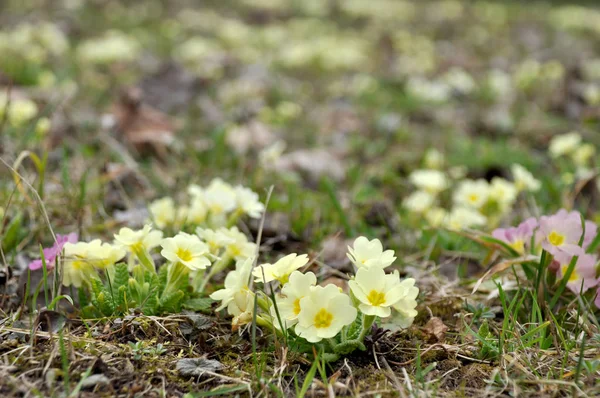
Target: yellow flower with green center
x: 376, y: 291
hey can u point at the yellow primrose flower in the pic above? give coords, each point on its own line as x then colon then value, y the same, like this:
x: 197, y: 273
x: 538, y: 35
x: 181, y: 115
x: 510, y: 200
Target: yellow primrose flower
x: 219, y: 197
x: 432, y: 181
x: 197, y: 211
x: 288, y: 302
x: 269, y: 156
x: 19, y: 111
x: 281, y: 269
x: 216, y: 240
x: 376, y: 291
x: 247, y: 202
x: 236, y: 281
x: 366, y: 253
x: 463, y: 217
x: 135, y: 241
x: 186, y: 249
x: 503, y: 192
x: 406, y: 306
x: 418, y: 202
x: 582, y: 155
x: 436, y: 216
x: 564, y: 144
x: 324, y: 312
x: 240, y: 248
x: 524, y: 180
x: 104, y: 255
x: 163, y: 212
x: 113, y: 47
x: 471, y: 193
x: 433, y: 159
x: 77, y: 266
x: 241, y: 308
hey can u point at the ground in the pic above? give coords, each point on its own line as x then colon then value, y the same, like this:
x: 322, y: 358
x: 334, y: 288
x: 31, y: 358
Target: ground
x: 324, y: 108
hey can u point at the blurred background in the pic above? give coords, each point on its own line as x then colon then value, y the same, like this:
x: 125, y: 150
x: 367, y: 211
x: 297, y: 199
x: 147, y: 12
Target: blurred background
x: 135, y: 100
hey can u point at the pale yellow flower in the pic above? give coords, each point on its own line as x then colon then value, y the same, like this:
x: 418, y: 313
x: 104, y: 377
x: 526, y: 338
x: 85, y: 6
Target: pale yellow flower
x: 324, y: 312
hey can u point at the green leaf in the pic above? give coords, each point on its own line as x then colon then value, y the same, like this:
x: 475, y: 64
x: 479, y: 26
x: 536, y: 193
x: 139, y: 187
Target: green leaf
x: 84, y: 300
x: 201, y: 304
x: 121, y: 277
x: 163, y: 274
x: 171, y: 302
x: 10, y: 239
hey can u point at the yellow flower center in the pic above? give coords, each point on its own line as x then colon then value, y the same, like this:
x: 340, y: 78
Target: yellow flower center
x: 556, y: 239
x: 184, y: 254
x: 518, y: 245
x: 473, y: 197
x: 376, y: 298
x: 137, y: 247
x: 323, y: 319
x: 297, y: 306
x: 284, y: 279
x: 235, y: 250
x: 573, y: 277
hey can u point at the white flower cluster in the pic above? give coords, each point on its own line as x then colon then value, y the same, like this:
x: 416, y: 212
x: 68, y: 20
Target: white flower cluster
x: 113, y: 46
x: 474, y: 203
x: 581, y: 154
x: 215, y: 206
x: 189, y: 253
x: 316, y: 312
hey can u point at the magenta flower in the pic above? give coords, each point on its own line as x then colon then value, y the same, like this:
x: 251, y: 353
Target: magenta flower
x: 519, y: 238
x: 561, y: 232
x: 51, y: 253
x: 583, y: 276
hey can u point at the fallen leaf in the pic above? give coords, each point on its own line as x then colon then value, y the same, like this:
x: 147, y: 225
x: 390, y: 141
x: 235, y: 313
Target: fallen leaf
x: 50, y: 321
x: 197, y: 366
x: 93, y: 381
x: 143, y: 127
x: 435, y: 329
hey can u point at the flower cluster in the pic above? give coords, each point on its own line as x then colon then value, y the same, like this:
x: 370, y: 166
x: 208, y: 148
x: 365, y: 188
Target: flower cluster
x: 473, y: 203
x: 313, y: 312
x: 27, y: 50
x: 101, y: 268
x: 215, y: 206
x: 567, y: 238
x: 19, y: 112
x: 113, y: 47
x: 570, y: 150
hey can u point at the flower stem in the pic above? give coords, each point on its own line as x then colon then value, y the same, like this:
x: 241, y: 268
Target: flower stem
x: 214, y: 269
x: 177, y: 273
x: 366, y: 326
x: 145, y: 259
x: 234, y: 217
